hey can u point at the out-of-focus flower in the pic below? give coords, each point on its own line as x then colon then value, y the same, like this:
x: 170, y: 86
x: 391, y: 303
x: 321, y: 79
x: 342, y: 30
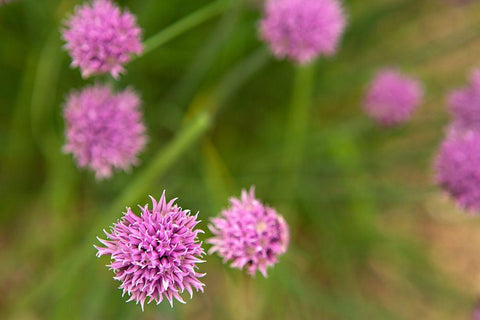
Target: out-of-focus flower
x: 476, y: 311
x: 155, y: 255
x: 104, y: 130
x: 465, y: 104
x: 301, y: 30
x: 392, y: 97
x: 458, y: 167
x: 101, y: 38
x: 249, y: 234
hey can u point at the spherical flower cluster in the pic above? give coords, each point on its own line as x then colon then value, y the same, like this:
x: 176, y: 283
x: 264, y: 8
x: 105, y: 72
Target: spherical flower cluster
x: 104, y: 130
x: 101, y: 38
x: 249, y: 234
x: 155, y: 255
x: 465, y: 104
x: 458, y: 167
x: 301, y: 30
x: 392, y: 97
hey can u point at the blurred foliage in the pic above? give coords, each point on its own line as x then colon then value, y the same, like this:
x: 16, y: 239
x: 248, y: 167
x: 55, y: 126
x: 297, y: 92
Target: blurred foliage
x: 223, y: 115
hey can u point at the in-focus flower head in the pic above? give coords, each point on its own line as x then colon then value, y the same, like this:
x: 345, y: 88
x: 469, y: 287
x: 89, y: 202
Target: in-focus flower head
x: 104, y: 130
x: 302, y: 30
x: 465, y: 104
x: 392, y: 97
x: 101, y: 38
x: 155, y: 255
x: 458, y: 167
x: 249, y: 234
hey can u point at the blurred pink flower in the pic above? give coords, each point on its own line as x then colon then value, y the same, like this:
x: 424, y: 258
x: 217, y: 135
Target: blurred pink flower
x: 465, y: 104
x: 101, y: 39
x: 104, y: 130
x: 249, y: 234
x: 392, y: 97
x: 155, y: 255
x: 458, y: 167
x: 301, y: 30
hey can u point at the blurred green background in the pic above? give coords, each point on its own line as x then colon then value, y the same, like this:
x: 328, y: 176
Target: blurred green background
x: 372, y: 237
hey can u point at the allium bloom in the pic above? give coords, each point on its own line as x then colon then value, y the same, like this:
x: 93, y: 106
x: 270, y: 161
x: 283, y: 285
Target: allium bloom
x: 458, y: 167
x: 249, y: 234
x: 155, y: 255
x: 104, y: 130
x: 301, y: 30
x: 392, y: 97
x: 101, y: 38
x: 465, y: 104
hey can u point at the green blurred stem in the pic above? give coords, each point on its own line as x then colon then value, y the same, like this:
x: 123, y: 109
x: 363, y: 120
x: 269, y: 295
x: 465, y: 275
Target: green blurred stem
x: 297, y: 123
x: 158, y: 166
x: 183, y: 25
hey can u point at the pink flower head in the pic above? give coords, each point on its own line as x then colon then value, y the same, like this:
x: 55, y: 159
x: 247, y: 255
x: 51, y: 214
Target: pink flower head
x: 301, y: 30
x: 249, y: 234
x: 465, y: 104
x: 101, y: 39
x: 392, y: 97
x: 458, y: 167
x: 104, y: 130
x: 155, y: 255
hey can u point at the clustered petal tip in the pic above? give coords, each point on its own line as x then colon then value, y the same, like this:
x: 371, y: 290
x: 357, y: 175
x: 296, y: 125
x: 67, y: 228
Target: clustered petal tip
x: 155, y: 256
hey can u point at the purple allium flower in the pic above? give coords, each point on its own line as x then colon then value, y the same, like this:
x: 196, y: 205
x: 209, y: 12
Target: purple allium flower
x: 101, y: 39
x: 249, y: 234
x: 392, y: 97
x: 104, y: 130
x: 465, y: 104
x: 301, y: 30
x: 155, y: 255
x: 458, y: 167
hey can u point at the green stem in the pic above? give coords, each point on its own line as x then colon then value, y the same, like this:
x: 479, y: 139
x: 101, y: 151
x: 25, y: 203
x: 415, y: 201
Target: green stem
x: 183, y: 25
x: 297, y: 123
x: 162, y: 161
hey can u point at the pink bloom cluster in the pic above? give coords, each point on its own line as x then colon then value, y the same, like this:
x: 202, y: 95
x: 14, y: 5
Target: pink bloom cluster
x: 249, y: 234
x: 104, y: 130
x: 155, y: 255
x: 392, y: 97
x: 458, y: 167
x: 458, y: 160
x: 101, y: 39
x: 301, y: 30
